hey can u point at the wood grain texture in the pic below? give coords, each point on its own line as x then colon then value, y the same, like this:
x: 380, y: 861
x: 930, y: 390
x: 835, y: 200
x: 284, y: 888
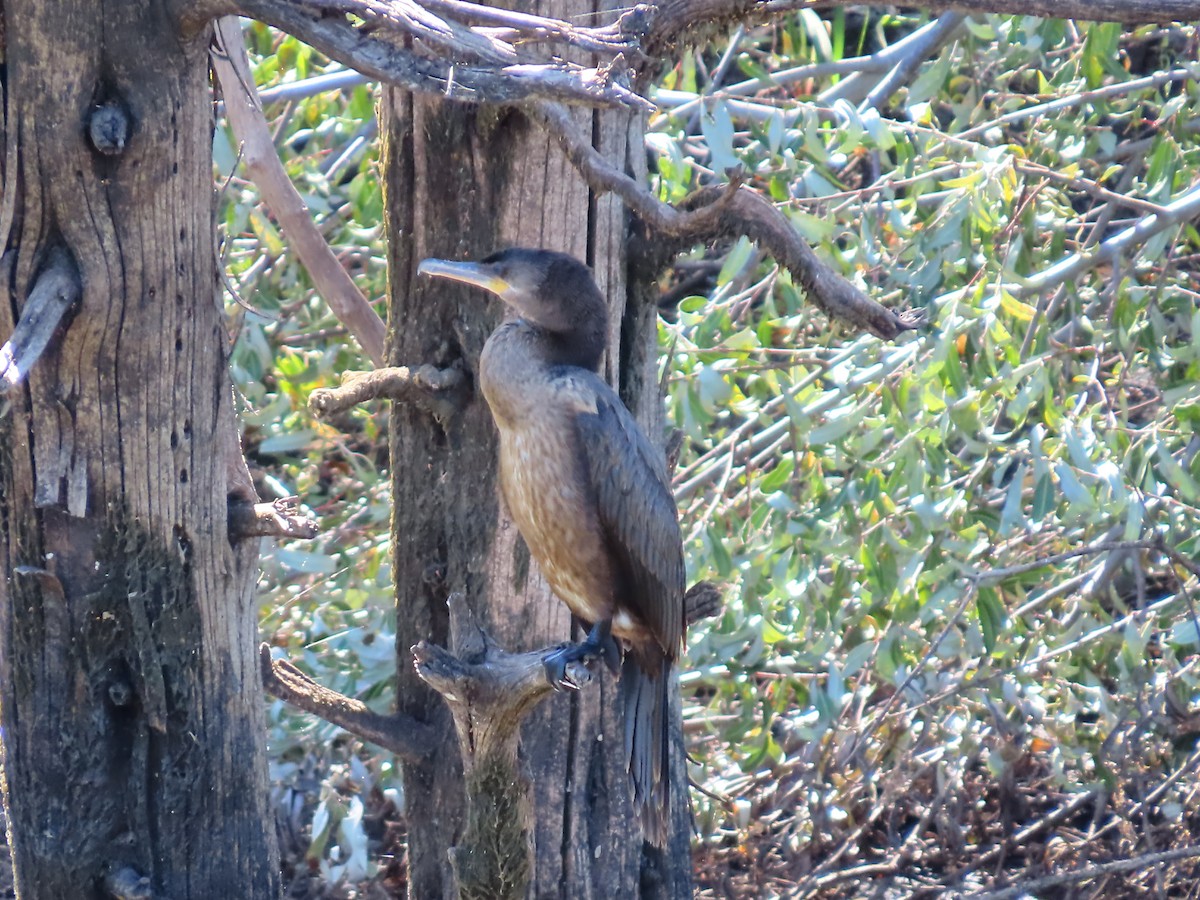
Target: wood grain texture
x: 129, y: 689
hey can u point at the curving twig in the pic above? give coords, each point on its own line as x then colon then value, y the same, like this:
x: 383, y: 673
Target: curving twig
x: 723, y: 210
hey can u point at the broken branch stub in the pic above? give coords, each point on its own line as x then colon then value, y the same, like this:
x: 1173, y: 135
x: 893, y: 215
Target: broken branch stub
x: 401, y: 734
x: 490, y: 692
x: 441, y: 391
x: 54, y: 292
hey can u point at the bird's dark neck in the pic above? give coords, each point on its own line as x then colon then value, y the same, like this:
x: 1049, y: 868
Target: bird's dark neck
x: 579, y: 347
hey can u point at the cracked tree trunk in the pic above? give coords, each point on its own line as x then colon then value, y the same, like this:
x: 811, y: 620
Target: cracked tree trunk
x: 462, y: 181
x: 134, y: 747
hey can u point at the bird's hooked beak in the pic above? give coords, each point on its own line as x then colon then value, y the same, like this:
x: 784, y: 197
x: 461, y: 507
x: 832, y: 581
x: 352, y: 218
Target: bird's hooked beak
x: 482, y: 275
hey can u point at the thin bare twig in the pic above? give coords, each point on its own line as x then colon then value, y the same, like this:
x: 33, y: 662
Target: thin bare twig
x: 1106, y: 547
x: 522, y: 27
x: 1150, y: 82
x: 1027, y: 888
x: 326, y: 27
x: 1090, y: 187
x: 331, y: 280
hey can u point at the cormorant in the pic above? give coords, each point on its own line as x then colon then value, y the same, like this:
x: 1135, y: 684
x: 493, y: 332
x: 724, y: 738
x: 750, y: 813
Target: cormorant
x: 588, y: 492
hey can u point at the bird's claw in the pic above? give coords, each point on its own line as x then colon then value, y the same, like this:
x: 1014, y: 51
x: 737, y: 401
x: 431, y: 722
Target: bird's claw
x: 567, y: 667
x: 570, y: 665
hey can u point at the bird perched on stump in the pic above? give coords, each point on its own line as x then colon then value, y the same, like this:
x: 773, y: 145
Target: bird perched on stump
x: 588, y: 492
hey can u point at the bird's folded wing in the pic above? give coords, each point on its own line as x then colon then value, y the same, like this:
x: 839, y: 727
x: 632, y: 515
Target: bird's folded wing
x: 636, y: 507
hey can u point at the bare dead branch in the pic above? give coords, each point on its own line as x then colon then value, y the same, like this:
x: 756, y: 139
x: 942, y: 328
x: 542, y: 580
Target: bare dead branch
x: 1185, y: 208
x: 441, y: 391
x: 678, y: 21
x: 377, y: 52
x: 1143, y: 12
x: 331, y: 280
x: 278, y: 518
x: 490, y: 692
x: 728, y: 210
x: 488, y: 689
x: 403, y: 735
x: 53, y: 293
x: 525, y: 28
x: 941, y: 32
x: 443, y: 35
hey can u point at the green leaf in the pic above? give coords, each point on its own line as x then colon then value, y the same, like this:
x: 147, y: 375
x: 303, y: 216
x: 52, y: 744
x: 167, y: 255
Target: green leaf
x: 990, y: 613
x: 779, y: 476
x: 1011, y: 516
x: 717, y: 127
x: 1043, y: 497
x: 1187, y: 414
x: 931, y: 79
x: 735, y: 260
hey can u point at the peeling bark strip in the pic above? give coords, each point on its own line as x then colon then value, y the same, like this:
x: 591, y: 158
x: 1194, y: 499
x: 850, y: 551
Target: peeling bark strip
x: 129, y: 690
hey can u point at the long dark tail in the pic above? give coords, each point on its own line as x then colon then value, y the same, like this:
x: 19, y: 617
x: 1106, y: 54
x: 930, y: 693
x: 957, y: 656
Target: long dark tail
x: 645, y: 702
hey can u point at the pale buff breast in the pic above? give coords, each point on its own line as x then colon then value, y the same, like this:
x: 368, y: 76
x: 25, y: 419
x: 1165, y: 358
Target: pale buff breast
x: 550, y: 503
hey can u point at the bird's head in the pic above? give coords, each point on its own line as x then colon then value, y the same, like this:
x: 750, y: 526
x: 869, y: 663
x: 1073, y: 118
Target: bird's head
x: 552, y: 290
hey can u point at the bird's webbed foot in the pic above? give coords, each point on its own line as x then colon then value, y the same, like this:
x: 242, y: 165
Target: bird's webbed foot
x: 599, y: 644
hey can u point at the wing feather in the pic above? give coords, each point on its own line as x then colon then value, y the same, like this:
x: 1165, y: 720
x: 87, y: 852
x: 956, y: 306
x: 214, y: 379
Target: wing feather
x: 635, y: 507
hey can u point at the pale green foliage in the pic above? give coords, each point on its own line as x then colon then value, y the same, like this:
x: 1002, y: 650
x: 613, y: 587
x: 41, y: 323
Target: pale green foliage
x: 855, y: 494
